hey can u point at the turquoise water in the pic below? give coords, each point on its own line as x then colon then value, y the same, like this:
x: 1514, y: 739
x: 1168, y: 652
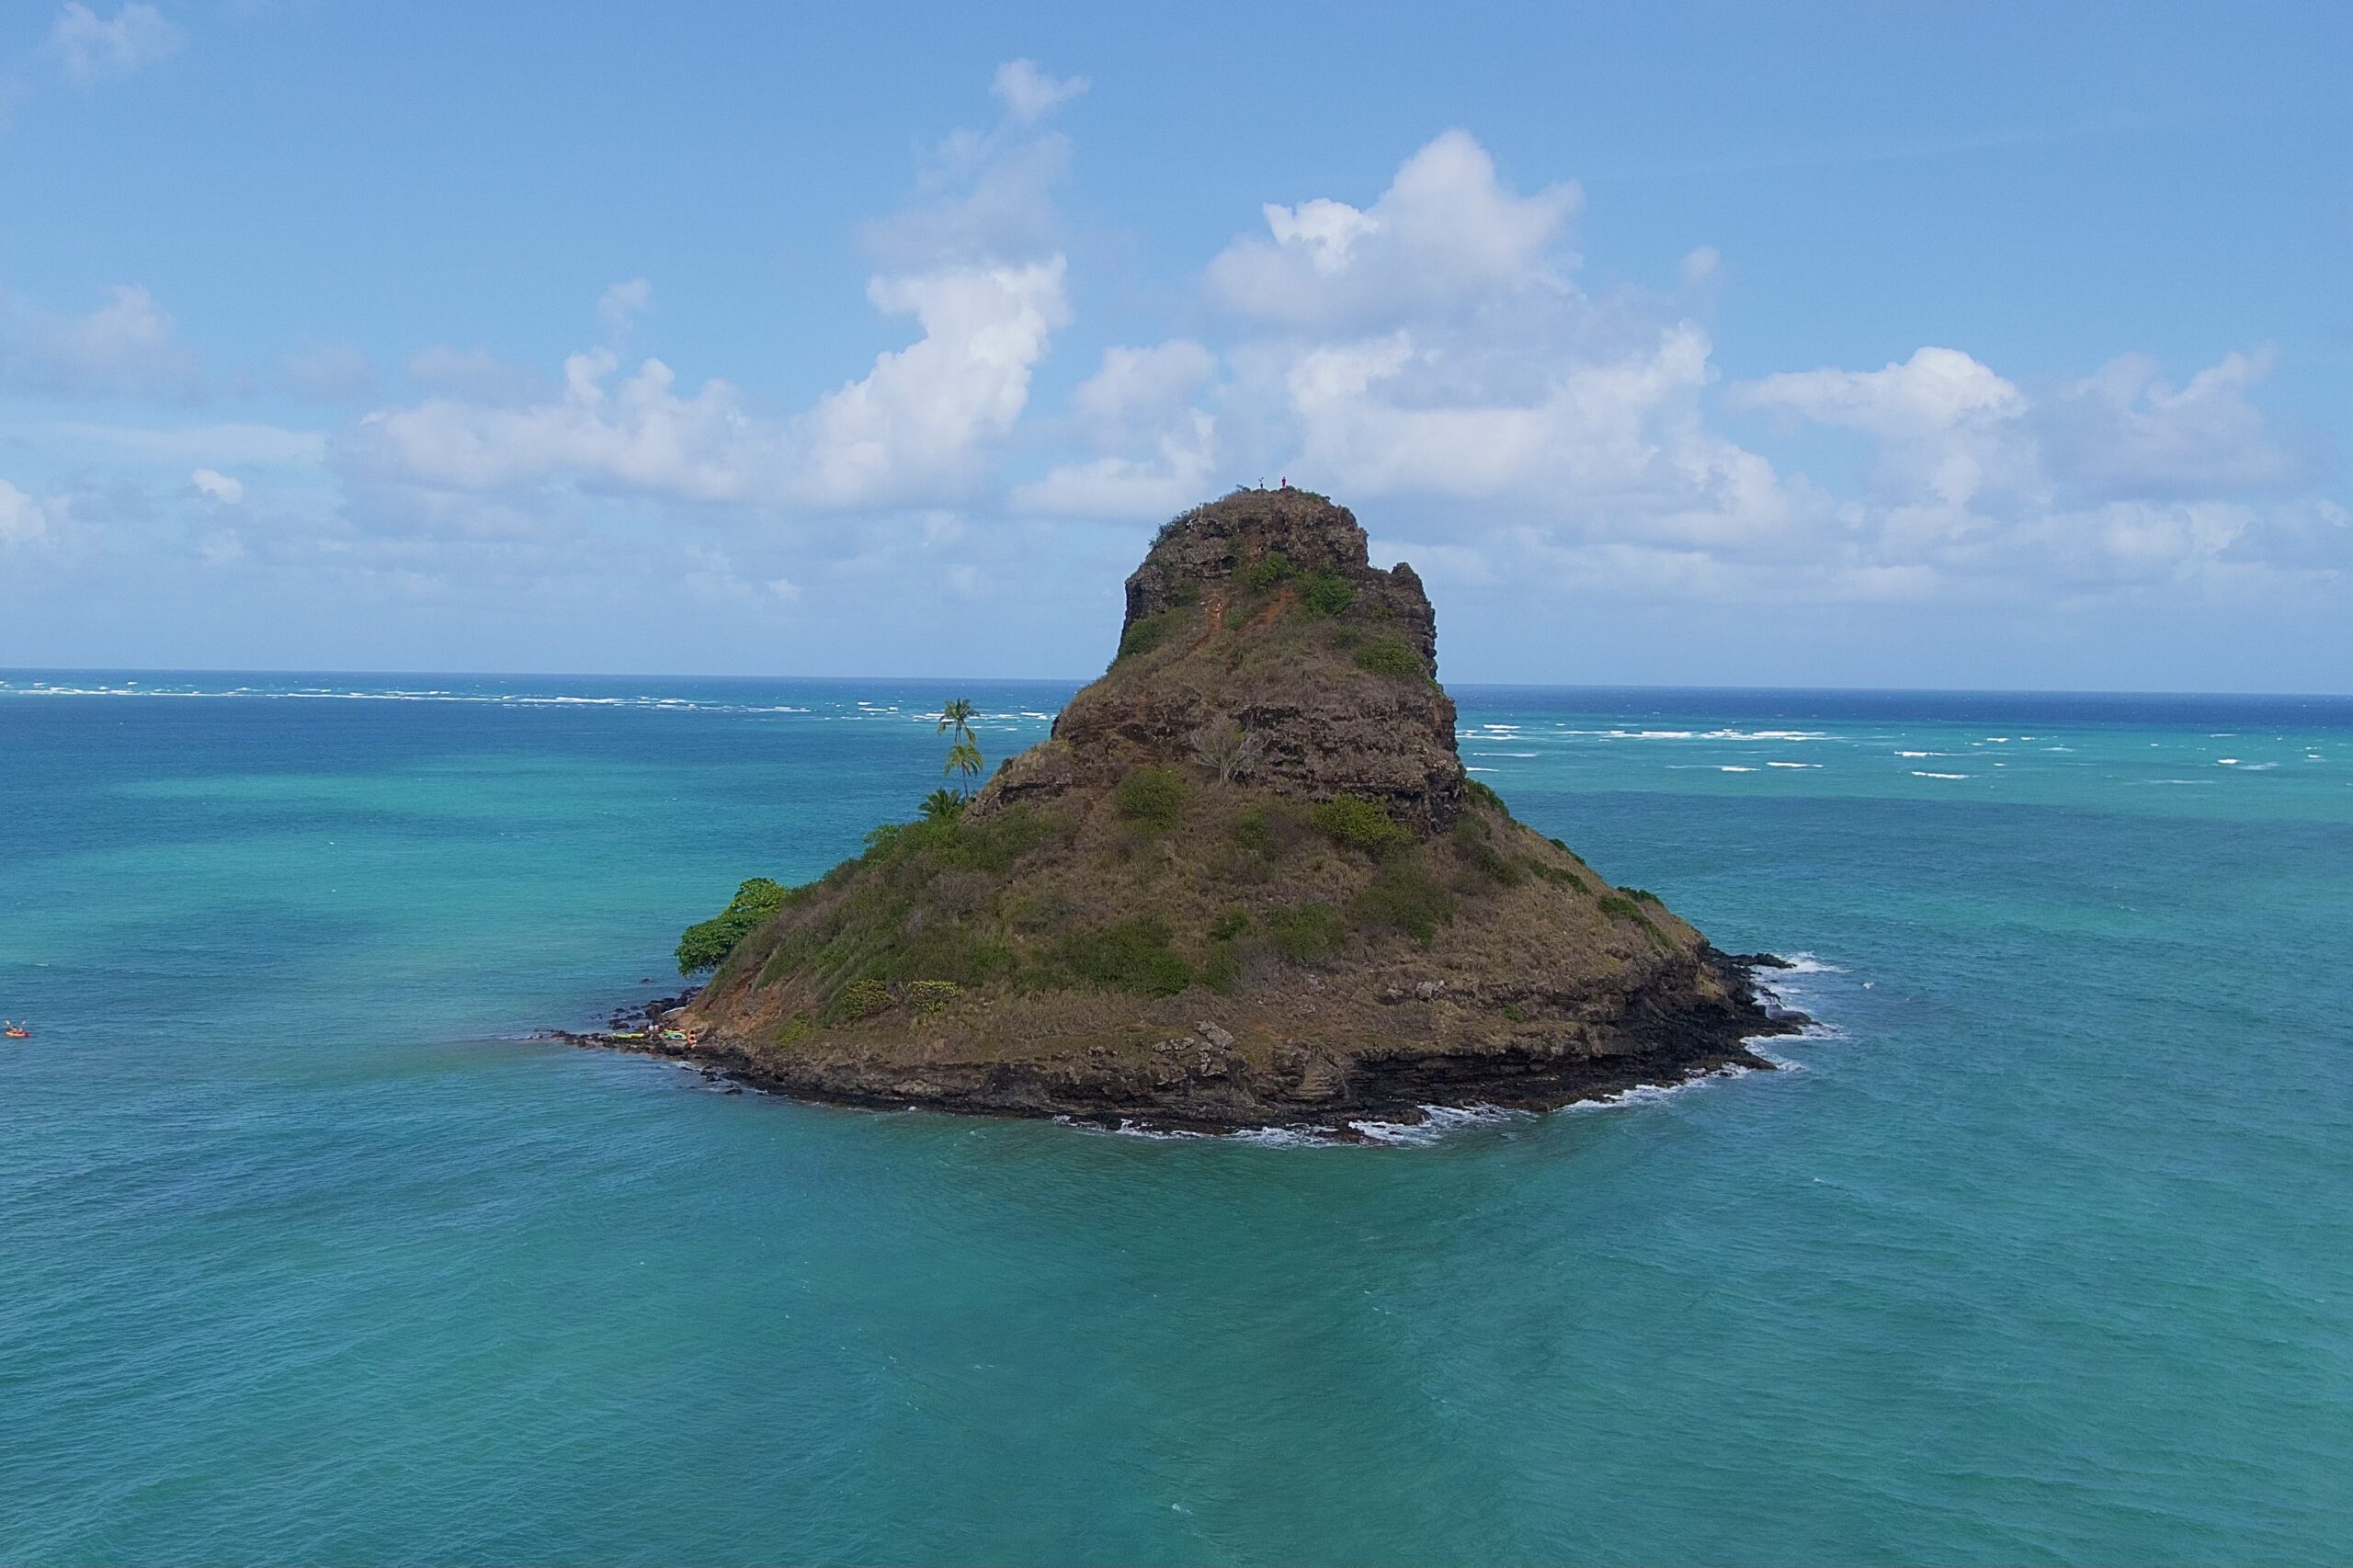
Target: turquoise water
x: 2039, y: 1254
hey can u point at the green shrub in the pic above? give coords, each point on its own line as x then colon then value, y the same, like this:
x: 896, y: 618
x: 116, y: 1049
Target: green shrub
x: 1306, y: 931
x: 1360, y: 823
x: 1324, y: 592
x: 1479, y: 794
x: 1223, y: 967
x: 1617, y: 906
x: 994, y: 845
x: 1388, y: 655
x: 1567, y: 879
x: 1131, y: 955
x: 1493, y: 864
x: 858, y: 1000
x: 1263, y: 831
x: 1644, y: 894
x: 1271, y: 571
x: 1145, y: 635
x: 1152, y: 795
x: 1230, y: 925
x: 1513, y: 1013
x: 707, y: 944
x: 1405, y: 897
x: 927, y: 997
x: 1564, y: 849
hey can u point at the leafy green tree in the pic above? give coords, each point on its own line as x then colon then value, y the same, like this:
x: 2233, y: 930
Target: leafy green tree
x: 942, y: 806
x: 707, y: 945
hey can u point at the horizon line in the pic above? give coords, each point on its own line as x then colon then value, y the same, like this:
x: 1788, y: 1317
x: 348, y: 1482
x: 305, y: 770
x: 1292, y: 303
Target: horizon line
x: 7, y: 672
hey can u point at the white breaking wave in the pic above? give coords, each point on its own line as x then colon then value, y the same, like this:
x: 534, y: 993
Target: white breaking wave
x: 1921, y: 773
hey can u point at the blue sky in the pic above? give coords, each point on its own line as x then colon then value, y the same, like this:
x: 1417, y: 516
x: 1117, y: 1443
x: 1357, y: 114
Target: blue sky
x: 1877, y: 345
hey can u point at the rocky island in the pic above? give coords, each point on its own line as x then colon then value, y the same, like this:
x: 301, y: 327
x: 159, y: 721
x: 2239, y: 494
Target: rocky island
x: 1246, y: 882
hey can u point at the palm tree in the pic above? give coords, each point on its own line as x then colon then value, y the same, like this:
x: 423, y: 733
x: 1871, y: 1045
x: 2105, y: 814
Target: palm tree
x: 964, y: 755
x: 942, y: 806
x: 963, y: 760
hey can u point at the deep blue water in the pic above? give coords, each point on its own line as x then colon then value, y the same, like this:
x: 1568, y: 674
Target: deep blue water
x: 2040, y: 1253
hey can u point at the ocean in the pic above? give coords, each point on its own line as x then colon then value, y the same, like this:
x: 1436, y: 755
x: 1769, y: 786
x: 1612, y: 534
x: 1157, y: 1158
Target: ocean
x: 2038, y: 1249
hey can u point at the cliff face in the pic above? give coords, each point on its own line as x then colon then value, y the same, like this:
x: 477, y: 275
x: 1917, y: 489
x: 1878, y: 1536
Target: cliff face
x: 1245, y: 882
x: 1260, y: 617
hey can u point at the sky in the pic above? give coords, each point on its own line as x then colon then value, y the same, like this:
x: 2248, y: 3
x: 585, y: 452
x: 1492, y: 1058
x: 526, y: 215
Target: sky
x: 1937, y: 346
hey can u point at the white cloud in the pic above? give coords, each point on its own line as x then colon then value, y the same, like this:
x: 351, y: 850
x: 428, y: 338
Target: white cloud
x: 129, y: 347
x: 988, y: 196
x: 1028, y: 94
x: 1158, y: 448
x: 93, y: 50
x: 916, y: 425
x: 1429, y: 353
x: 217, y: 486
x: 1946, y: 423
x: 1934, y: 391
x: 1144, y: 386
x: 636, y: 434
x: 1177, y: 475
x: 622, y: 305
x: 1446, y: 232
x: 913, y: 426
x: 2125, y: 431
x: 22, y: 518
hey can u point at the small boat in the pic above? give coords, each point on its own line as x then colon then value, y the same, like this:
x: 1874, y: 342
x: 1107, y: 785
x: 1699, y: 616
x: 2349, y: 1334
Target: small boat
x: 17, y: 1031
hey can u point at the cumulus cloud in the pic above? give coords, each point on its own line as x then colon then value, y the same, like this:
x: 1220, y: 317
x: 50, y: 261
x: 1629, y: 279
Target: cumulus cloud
x: 1028, y: 94
x: 915, y: 427
x: 127, y: 347
x: 23, y: 519
x: 1946, y: 423
x: 2125, y: 431
x: 216, y: 486
x: 914, y: 424
x: 92, y: 49
x: 986, y: 194
x: 1157, y: 446
x: 1447, y: 233
x: 1432, y: 352
x: 920, y: 426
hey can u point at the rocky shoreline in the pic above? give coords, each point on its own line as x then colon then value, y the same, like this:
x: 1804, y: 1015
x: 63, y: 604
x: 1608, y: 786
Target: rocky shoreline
x: 1108, y: 1090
